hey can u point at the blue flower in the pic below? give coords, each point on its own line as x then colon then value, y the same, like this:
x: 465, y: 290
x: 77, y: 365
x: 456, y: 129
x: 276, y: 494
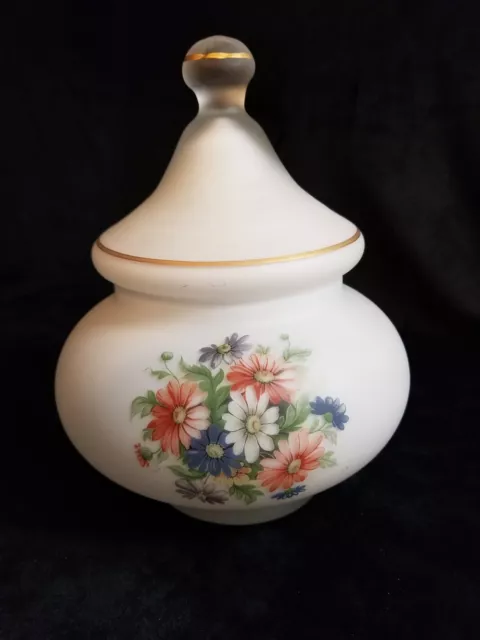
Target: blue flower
x: 211, y: 454
x: 332, y: 410
x: 289, y: 493
x: 232, y: 349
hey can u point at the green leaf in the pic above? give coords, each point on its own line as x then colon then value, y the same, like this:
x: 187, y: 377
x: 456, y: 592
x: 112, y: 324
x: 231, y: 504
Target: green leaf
x: 300, y: 354
x: 327, y: 460
x: 217, y: 415
x: 222, y: 409
x: 303, y: 407
x: 183, y: 454
x: 231, y: 491
x: 216, y: 397
x: 146, y: 453
x: 218, y: 379
x: 293, y: 353
x: 330, y: 434
x: 195, y: 371
x: 290, y: 416
x: 151, y: 397
x: 184, y: 472
x: 261, y: 350
x: 281, y: 421
x: 222, y: 394
x: 159, y: 374
x: 142, y: 405
x: 161, y: 455
x: 255, y: 468
x: 295, y: 416
x: 246, y: 492
x: 147, y: 434
x: 205, y: 385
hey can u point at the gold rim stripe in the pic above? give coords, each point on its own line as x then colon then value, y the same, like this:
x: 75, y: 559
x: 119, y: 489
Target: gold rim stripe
x: 231, y: 263
x: 217, y: 55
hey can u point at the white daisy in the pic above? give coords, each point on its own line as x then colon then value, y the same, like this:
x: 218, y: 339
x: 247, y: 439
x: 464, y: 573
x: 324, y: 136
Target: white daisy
x: 250, y: 424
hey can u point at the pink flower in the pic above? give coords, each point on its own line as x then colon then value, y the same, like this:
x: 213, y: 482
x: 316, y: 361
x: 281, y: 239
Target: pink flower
x: 139, y: 451
x: 297, y: 456
x: 179, y: 416
x: 265, y: 376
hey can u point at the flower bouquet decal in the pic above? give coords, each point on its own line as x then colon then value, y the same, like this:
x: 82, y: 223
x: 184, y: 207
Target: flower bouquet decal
x: 233, y: 427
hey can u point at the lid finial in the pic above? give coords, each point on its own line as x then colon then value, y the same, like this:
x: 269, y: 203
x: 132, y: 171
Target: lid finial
x: 218, y: 69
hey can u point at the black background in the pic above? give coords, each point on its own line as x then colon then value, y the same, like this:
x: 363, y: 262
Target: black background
x: 373, y: 106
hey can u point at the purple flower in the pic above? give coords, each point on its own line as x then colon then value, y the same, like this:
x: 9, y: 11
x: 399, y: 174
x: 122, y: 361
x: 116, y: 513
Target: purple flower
x: 212, y: 495
x: 332, y: 410
x: 211, y: 454
x: 232, y: 349
x: 204, y: 491
x: 289, y: 493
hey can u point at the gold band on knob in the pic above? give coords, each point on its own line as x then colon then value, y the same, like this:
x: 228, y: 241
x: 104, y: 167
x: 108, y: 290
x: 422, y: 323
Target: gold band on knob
x: 217, y: 55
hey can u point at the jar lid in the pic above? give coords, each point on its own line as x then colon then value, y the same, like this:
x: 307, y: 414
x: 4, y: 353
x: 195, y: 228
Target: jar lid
x: 225, y: 198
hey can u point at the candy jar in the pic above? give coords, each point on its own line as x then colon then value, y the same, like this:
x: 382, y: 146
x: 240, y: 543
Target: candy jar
x: 231, y: 373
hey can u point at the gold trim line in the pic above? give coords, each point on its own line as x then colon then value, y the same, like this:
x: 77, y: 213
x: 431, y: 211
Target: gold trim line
x: 217, y: 55
x: 231, y: 263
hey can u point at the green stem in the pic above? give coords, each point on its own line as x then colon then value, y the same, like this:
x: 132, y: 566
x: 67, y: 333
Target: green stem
x: 171, y: 372
x: 287, y: 359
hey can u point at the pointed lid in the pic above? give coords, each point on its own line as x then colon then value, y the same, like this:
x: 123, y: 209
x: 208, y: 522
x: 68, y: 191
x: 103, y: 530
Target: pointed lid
x: 225, y: 197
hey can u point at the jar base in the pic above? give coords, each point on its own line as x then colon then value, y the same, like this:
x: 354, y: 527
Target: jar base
x: 244, y: 516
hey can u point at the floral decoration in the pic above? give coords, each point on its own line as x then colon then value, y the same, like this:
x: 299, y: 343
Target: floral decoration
x: 211, y: 453
x: 230, y: 350
x: 251, y: 424
x: 233, y: 426
x: 295, y: 458
x: 265, y: 376
x: 178, y: 415
x: 332, y: 411
x: 201, y: 489
x: 289, y: 493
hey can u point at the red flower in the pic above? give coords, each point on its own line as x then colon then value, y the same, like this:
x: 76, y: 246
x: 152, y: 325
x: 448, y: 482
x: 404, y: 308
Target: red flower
x: 179, y: 416
x: 139, y: 453
x: 297, y: 456
x: 265, y: 376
